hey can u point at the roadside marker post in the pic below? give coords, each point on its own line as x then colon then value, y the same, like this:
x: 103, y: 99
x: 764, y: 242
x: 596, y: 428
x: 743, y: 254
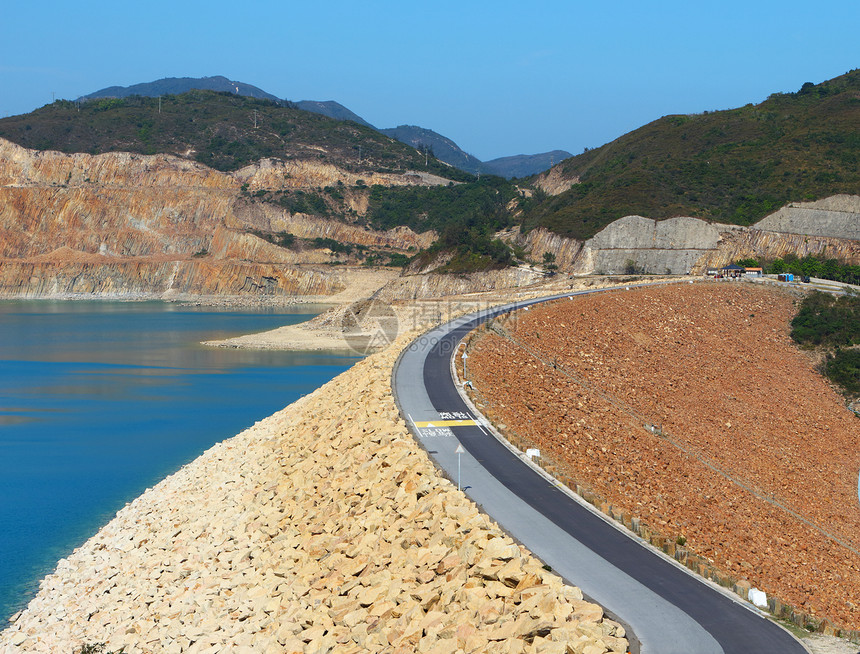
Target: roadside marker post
x: 459, y: 451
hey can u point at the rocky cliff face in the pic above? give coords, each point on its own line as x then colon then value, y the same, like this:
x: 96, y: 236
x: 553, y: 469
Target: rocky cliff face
x: 128, y: 225
x: 277, y: 175
x: 834, y: 217
x: 420, y: 286
x: 267, y: 217
x: 830, y: 227
x: 540, y: 241
x: 671, y: 246
x: 147, y: 278
x: 761, y: 244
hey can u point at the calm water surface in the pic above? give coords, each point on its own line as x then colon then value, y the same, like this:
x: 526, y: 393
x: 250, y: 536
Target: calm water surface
x: 100, y: 400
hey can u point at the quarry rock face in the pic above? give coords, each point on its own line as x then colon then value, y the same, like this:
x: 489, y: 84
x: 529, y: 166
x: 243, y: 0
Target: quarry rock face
x: 540, y: 240
x: 672, y: 246
x: 830, y: 228
x: 440, y: 285
x: 835, y: 217
x: 167, y: 279
x: 130, y: 225
x: 156, y: 224
x: 638, y: 233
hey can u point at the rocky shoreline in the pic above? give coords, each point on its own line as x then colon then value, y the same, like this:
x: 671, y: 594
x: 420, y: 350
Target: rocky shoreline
x: 324, y: 527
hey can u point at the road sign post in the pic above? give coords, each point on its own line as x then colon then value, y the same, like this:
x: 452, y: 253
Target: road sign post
x: 459, y: 451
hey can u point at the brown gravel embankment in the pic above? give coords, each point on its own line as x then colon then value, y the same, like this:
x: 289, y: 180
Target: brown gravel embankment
x: 324, y: 528
x: 758, y: 459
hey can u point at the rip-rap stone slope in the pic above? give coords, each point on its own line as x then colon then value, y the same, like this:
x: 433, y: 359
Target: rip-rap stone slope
x: 324, y: 528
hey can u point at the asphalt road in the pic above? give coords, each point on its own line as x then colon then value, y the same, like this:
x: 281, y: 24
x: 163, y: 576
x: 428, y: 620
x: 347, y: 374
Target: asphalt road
x: 669, y: 609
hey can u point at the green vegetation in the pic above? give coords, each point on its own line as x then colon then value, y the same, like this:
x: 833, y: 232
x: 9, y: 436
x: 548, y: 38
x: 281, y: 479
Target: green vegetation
x: 474, y: 204
x: 831, y: 322
x: 335, y: 246
x: 810, y: 266
x: 281, y: 239
x: 398, y: 260
x: 731, y: 166
x: 466, y: 216
x: 826, y: 320
x: 222, y: 130
x: 816, y: 267
x: 843, y: 368
x: 297, y: 201
x: 474, y: 250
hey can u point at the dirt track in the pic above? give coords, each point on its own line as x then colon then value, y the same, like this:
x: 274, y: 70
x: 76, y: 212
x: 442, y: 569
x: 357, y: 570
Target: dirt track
x: 757, y: 465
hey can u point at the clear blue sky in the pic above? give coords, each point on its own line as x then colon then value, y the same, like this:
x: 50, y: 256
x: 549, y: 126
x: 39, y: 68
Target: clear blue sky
x: 499, y: 78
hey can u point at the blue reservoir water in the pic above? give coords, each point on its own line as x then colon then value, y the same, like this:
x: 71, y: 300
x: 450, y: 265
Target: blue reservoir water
x: 100, y: 400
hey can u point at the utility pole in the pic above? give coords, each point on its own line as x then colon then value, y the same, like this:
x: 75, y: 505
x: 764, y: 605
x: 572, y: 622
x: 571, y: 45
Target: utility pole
x: 359, y: 154
x: 255, y: 119
x: 159, y: 104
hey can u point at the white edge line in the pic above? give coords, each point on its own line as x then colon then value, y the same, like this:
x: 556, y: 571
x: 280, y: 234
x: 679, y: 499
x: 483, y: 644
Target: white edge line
x: 737, y: 599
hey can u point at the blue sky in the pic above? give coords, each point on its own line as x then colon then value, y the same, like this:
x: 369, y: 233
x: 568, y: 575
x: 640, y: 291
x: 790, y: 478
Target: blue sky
x: 499, y: 78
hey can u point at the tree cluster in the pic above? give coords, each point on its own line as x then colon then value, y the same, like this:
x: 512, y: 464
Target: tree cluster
x: 833, y: 323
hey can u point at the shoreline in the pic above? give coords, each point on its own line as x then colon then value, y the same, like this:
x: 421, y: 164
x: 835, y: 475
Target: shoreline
x: 190, y: 300
x: 365, y: 325
x: 324, y: 525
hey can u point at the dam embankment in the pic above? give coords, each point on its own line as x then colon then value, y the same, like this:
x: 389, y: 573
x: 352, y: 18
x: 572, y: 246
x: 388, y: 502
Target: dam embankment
x: 322, y: 528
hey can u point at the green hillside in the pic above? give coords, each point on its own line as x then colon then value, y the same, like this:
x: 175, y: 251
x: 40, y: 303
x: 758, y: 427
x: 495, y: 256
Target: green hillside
x: 732, y: 166
x: 221, y: 130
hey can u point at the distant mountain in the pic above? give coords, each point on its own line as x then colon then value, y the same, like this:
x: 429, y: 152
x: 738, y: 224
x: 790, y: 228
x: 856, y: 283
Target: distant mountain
x: 441, y: 147
x: 331, y: 109
x: 224, y: 131
x: 444, y: 149
x: 525, y: 165
x: 177, y: 85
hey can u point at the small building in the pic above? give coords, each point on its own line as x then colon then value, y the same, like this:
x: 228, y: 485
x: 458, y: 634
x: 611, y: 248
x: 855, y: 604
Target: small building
x: 732, y: 270
x: 753, y: 272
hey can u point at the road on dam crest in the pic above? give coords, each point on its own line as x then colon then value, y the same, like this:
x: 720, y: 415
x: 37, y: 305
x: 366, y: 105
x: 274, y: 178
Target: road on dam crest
x: 667, y: 607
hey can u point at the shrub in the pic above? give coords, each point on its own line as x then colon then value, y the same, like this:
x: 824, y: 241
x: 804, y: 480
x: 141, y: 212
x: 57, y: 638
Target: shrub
x: 843, y: 368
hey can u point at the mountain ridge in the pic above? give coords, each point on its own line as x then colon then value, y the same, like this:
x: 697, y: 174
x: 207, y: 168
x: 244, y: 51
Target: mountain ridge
x: 177, y: 85
x: 732, y: 166
x: 418, y: 137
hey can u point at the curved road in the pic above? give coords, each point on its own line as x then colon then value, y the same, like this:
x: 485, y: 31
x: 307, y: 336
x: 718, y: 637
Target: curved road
x: 667, y: 607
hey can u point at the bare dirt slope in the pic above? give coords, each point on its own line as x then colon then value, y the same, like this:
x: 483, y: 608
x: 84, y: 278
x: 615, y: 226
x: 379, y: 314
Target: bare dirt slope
x: 757, y: 462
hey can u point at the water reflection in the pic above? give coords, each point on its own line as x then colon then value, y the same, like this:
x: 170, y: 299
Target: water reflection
x: 101, y: 400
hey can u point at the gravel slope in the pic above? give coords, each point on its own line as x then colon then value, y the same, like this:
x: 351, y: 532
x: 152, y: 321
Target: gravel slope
x: 756, y: 464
